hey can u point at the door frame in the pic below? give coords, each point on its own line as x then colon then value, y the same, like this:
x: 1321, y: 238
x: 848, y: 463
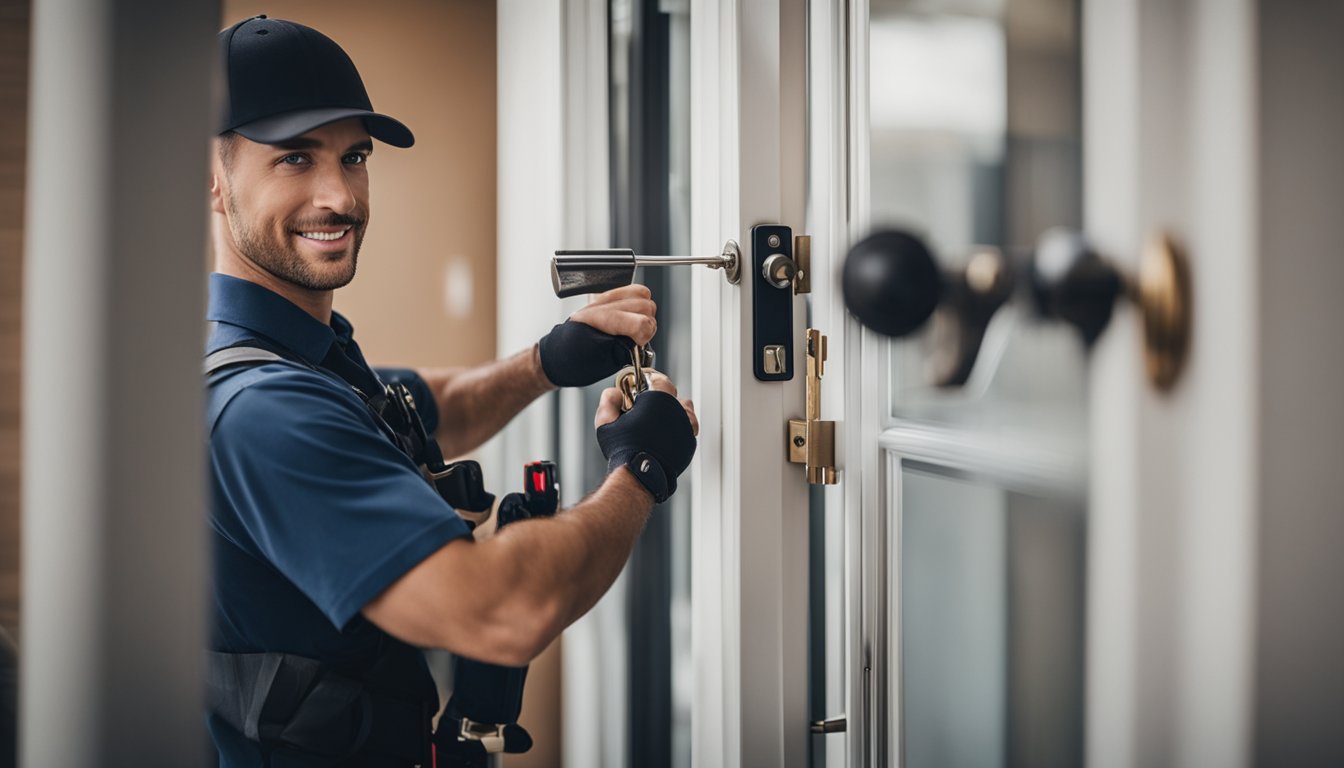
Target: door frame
x: 749, y: 506
x: 837, y: 214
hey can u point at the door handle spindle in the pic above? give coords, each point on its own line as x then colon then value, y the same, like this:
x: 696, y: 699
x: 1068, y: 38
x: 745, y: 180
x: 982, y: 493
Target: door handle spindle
x: 574, y: 273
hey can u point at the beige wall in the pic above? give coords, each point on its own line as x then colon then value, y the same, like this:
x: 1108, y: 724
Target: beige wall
x: 13, y: 131
x: 430, y: 64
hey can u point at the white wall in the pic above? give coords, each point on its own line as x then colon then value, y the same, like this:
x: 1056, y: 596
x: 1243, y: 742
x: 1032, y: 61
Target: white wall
x: 531, y: 212
x: 553, y: 193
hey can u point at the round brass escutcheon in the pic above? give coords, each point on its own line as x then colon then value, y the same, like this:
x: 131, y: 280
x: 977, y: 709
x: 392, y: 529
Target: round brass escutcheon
x: 1163, y: 296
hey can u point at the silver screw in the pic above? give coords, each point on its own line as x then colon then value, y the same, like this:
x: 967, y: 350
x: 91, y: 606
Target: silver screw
x: 645, y: 465
x: 773, y: 241
x: 799, y: 440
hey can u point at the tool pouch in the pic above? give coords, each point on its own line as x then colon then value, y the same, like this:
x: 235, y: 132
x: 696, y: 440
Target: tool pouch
x: 481, y: 718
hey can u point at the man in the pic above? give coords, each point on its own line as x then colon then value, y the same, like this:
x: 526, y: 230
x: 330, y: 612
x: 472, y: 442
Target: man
x: 329, y: 543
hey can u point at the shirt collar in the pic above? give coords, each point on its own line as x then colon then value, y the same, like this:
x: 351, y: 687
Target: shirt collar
x: 258, y: 309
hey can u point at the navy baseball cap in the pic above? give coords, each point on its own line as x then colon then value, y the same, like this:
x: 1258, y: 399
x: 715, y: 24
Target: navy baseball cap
x: 282, y: 79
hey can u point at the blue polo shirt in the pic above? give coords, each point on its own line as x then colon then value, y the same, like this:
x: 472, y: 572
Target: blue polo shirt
x: 315, y: 511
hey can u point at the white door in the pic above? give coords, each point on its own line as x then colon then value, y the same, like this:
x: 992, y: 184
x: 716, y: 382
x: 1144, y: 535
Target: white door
x: 1053, y: 563
x: 835, y: 121
x: 749, y: 507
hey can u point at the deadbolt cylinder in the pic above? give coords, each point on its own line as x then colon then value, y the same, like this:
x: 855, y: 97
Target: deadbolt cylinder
x: 778, y: 270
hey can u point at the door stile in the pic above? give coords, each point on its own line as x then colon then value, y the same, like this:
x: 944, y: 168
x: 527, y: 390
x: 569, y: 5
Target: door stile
x: 828, y: 224
x: 866, y: 412
x: 749, y: 506
x: 713, y: 631
x: 1171, y: 103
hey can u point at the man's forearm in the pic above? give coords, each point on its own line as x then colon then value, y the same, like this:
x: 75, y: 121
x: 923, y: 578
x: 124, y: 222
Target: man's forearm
x: 578, y: 554
x: 503, y: 599
x: 475, y: 403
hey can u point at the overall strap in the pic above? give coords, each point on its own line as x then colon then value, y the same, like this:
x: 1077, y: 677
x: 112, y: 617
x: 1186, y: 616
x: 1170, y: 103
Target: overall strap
x: 236, y: 355
x: 255, y: 353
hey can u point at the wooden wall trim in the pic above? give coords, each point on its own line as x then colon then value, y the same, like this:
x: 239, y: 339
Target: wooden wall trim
x: 14, y: 30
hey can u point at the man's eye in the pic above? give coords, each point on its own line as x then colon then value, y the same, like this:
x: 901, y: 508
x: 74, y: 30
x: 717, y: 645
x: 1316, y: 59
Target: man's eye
x: 355, y: 158
x: 293, y: 159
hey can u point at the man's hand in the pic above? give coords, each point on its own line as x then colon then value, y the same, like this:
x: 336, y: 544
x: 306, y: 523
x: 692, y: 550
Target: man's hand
x: 654, y: 440
x: 609, y: 406
x: 596, y: 341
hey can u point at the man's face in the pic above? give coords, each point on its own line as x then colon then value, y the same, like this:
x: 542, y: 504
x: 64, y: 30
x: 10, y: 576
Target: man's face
x: 298, y: 210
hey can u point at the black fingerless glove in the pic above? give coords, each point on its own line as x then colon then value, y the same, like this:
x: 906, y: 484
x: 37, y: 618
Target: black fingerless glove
x: 576, y: 354
x: 653, y: 440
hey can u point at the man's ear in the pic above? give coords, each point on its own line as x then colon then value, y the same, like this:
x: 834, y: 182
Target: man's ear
x: 216, y: 192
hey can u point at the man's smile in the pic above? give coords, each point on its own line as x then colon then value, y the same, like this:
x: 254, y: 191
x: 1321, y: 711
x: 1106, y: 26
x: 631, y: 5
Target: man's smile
x: 328, y: 236
x: 328, y: 240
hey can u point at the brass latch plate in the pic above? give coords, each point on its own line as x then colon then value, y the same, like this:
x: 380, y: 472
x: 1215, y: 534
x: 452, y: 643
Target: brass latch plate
x: 811, y: 441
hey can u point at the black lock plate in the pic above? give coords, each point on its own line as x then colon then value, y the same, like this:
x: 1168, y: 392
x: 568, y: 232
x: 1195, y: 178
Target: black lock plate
x: 771, y: 307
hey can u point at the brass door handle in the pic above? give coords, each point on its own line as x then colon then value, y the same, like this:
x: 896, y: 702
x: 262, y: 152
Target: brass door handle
x: 892, y: 285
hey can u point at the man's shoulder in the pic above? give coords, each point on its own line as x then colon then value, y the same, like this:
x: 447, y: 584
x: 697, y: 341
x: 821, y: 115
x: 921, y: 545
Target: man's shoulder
x: 264, y: 396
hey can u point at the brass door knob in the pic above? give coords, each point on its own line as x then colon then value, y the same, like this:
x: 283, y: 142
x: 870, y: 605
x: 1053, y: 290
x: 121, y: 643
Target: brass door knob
x: 1071, y: 282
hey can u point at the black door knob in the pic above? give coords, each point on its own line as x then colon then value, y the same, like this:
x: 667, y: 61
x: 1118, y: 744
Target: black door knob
x: 891, y: 283
x: 1071, y: 282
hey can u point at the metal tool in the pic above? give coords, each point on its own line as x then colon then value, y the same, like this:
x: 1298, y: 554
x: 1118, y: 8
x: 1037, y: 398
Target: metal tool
x: 635, y: 378
x: 594, y: 271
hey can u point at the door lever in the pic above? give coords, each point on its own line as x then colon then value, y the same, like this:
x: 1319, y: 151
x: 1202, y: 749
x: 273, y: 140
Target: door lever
x: 594, y: 271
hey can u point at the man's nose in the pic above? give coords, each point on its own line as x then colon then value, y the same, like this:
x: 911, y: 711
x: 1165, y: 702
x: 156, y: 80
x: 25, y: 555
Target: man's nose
x: 333, y: 191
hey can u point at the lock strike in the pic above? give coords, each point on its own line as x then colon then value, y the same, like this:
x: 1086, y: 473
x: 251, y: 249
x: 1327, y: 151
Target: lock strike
x: 811, y: 440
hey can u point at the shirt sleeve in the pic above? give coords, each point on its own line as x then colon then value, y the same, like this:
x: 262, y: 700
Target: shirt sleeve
x: 425, y: 404
x: 311, y: 485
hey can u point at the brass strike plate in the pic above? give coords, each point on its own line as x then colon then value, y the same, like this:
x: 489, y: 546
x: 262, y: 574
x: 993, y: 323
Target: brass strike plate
x: 811, y: 441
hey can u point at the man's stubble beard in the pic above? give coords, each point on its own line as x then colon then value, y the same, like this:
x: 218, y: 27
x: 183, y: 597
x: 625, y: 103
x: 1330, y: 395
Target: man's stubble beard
x: 283, y: 260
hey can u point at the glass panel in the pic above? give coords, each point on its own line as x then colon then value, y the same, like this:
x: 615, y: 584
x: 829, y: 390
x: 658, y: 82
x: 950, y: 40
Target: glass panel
x: 975, y: 140
x: 991, y: 645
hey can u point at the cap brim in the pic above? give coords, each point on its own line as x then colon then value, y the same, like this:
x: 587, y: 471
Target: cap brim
x: 290, y: 125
